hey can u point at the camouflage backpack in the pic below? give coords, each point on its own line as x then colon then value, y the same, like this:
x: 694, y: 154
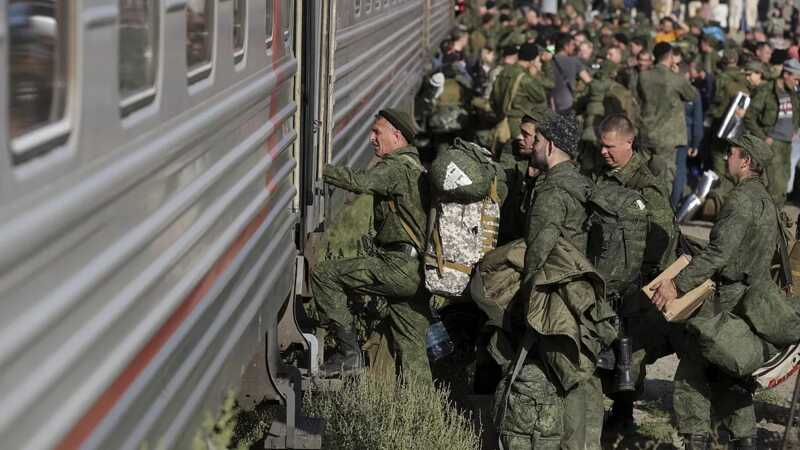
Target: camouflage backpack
x: 617, y: 227
x: 465, y: 216
x: 449, y: 114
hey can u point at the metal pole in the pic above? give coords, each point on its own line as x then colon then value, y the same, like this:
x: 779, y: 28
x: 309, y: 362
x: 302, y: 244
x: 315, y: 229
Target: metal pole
x: 792, y: 411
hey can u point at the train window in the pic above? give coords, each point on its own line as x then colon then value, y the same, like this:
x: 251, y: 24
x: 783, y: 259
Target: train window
x: 138, y: 36
x: 357, y: 7
x: 239, y: 28
x: 37, y: 81
x: 199, y: 38
x: 377, y: 5
x: 368, y: 6
x: 268, y: 23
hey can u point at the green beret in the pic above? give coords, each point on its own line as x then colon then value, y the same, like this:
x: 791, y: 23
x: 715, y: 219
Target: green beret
x: 401, y: 121
x: 755, y: 147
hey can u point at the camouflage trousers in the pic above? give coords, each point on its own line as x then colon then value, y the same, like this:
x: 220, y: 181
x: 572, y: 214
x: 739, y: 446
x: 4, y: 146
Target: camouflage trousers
x: 702, y: 391
x: 779, y: 170
x: 533, y: 417
x: 583, y: 416
x: 392, y: 275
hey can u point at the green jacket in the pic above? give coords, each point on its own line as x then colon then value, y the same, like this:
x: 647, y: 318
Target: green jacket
x: 762, y: 114
x: 741, y: 247
x: 729, y: 82
x: 398, y: 176
x: 530, y: 93
x: 558, y: 209
x: 514, y: 209
x: 662, y: 94
x: 569, y: 311
x: 662, y: 236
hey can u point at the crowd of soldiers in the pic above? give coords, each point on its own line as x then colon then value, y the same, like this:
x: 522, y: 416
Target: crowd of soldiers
x: 590, y: 105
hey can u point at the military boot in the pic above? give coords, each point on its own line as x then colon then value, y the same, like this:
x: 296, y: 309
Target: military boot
x: 748, y: 443
x: 695, y: 441
x: 347, y: 358
x: 620, y: 422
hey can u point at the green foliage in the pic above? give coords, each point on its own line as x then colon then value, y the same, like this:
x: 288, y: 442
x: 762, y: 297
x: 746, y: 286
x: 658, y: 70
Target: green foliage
x: 372, y: 412
x: 217, y: 430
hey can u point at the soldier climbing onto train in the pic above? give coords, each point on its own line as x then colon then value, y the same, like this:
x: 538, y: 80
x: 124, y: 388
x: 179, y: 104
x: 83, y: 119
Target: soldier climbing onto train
x: 399, y: 192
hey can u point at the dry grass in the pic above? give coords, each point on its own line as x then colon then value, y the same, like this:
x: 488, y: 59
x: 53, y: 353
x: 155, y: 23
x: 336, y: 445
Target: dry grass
x: 371, y: 412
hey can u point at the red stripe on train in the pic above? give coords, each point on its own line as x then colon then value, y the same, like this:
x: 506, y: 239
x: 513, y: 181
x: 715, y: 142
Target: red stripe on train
x: 86, y: 425
x: 81, y: 431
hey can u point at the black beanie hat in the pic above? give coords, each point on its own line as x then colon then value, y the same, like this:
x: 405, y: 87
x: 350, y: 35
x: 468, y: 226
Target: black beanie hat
x: 528, y: 51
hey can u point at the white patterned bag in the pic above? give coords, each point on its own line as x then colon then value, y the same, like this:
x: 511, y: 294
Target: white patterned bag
x: 465, y: 216
x: 462, y: 234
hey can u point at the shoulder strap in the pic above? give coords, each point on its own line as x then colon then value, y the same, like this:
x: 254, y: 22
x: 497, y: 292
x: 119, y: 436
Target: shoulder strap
x: 522, y: 354
x: 514, y: 88
x: 405, y: 225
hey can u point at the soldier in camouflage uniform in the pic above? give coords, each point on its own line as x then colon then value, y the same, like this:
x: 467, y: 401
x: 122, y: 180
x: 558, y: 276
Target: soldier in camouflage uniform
x: 774, y: 116
x: 397, y: 185
x: 728, y: 83
x: 662, y: 94
x: 739, y: 254
x: 516, y: 90
x: 651, y: 334
x: 558, y: 209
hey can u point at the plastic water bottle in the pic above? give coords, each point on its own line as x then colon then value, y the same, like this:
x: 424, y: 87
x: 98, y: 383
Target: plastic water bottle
x: 437, y: 341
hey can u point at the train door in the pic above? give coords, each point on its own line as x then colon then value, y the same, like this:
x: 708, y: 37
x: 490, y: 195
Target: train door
x: 312, y: 47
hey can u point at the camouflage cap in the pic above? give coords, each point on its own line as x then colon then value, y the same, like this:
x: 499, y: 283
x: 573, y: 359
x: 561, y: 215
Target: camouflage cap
x: 400, y: 120
x: 754, y: 146
x: 536, y: 114
x: 755, y: 66
x: 562, y: 131
x: 730, y: 55
x: 695, y: 22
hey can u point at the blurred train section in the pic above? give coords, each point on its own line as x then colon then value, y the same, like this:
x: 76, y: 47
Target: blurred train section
x: 159, y: 180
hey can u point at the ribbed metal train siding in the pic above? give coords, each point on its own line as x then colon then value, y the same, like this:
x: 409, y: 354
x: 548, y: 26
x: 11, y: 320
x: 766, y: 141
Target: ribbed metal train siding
x: 441, y: 20
x: 137, y: 284
x: 378, y: 63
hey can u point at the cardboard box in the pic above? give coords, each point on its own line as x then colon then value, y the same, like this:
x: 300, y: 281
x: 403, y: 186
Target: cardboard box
x: 681, y: 308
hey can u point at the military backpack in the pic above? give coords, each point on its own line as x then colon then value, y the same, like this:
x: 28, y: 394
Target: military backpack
x: 464, y: 221
x: 617, y: 227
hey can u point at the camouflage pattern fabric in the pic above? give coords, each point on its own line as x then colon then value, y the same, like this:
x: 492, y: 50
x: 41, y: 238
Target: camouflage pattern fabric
x: 466, y: 232
x: 533, y: 418
x: 662, y: 94
x: 740, y: 251
x: 390, y: 274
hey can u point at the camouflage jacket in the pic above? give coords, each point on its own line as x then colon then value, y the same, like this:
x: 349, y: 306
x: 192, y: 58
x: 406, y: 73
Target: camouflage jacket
x: 662, y: 236
x: 728, y: 83
x: 558, y: 209
x: 742, y: 244
x: 662, y: 94
x: 515, y: 207
x: 762, y: 114
x: 529, y: 95
x: 399, y: 177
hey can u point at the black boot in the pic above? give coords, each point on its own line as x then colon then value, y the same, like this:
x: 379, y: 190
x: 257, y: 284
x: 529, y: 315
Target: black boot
x: 748, y: 443
x: 347, y: 358
x: 695, y: 441
x: 620, y: 421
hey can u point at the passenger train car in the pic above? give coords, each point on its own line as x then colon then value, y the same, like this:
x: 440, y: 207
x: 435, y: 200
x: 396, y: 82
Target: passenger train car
x: 159, y: 178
